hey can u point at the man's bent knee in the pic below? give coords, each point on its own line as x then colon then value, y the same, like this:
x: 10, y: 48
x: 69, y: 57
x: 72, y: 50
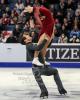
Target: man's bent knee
x: 55, y: 71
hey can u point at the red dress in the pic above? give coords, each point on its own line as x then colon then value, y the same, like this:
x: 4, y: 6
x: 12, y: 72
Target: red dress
x: 47, y: 24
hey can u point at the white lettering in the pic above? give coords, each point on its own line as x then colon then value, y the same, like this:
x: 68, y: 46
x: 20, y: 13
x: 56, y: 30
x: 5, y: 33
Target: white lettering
x: 65, y: 53
x: 74, y: 53
x: 58, y: 53
x: 50, y: 53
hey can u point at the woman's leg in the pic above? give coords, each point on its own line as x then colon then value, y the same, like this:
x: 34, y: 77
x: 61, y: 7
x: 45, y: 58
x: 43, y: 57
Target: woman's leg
x: 43, y: 36
x: 44, y: 50
x: 40, y: 41
x: 35, y: 60
x: 36, y: 53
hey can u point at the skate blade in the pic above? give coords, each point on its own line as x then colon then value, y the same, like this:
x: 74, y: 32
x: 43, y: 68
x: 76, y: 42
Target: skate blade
x: 63, y: 94
x: 45, y: 97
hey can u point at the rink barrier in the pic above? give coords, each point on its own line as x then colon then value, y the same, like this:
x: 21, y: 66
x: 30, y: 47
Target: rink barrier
x: 59, y: 55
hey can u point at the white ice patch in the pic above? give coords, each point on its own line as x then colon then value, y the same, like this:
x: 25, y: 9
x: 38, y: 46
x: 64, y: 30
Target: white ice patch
x: 19, y: 84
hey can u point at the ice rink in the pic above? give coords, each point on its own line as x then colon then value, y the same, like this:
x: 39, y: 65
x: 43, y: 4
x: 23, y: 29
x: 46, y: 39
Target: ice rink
x: 19, y: 84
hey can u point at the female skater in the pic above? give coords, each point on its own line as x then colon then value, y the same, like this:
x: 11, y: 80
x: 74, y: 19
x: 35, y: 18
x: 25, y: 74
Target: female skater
x: 46, y: 29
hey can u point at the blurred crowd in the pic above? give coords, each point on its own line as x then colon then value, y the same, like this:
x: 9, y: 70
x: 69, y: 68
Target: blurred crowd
x: 65, y: 12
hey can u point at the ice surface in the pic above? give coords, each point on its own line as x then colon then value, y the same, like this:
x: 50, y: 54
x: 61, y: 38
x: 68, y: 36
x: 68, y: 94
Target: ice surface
x: 19, y: 84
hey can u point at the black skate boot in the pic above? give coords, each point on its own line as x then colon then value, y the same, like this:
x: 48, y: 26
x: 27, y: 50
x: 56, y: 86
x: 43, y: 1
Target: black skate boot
x: 44, y: 95
x: 62, y: 91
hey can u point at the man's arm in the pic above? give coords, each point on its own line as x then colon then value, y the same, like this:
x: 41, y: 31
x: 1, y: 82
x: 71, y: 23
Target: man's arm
x: 35, y: 47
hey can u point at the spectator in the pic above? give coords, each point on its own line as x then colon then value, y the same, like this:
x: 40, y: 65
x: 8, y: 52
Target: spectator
x: 36, y: 3
x: 1, y: 25
x: 65, y: 23
x: 4, y: 2
x: 58, y: 27
x: 8, y: 11
x: 63, y: 38
x: 5, y: 19
x: 77, y: 14
x: 4, y: 36
x: 14, y: 16
x: 75, y: 31
x: 32, y: 2
x: 62, y: 7
x: 17, y: 32
x: 27, y: 2
x: 70, y: 17
x: 14, y: 12
x: 66, y: 27
x: 64, y: 30
x: 19, y: 5
x: 74, y: 39
x: 57, y: 23
x: 59, y: 16
x: 0, y: 12
x: 71, y: 5
x: 65, y: 12
x: 12, y: 39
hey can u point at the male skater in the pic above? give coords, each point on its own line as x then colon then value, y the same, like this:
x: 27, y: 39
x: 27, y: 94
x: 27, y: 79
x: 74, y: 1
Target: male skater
x: 44, y: 70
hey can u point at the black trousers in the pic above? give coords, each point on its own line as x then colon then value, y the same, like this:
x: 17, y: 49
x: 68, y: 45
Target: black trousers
x: 47, y: 71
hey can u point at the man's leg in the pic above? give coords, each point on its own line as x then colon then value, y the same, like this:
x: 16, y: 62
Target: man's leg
x: 59, y: 83
x: 48, y: 71
x: 40, y: 82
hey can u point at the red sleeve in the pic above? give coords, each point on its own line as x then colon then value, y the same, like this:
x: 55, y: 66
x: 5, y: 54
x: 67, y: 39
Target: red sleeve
x: 36, y: 15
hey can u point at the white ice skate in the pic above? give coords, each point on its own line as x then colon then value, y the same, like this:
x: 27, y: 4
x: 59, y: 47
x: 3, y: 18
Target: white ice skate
x: 36, y: 62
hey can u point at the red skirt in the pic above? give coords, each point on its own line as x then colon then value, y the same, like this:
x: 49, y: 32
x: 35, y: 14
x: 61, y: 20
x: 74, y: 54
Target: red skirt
x: 47, y: 29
